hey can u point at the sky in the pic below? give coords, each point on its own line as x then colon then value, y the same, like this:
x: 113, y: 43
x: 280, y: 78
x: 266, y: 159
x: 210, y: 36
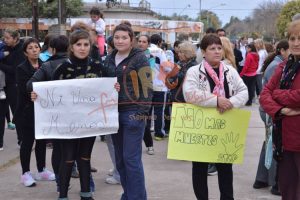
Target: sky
x: 224, y: 8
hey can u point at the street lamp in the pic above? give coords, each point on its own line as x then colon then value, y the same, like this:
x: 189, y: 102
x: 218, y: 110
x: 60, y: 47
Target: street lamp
x: 184, y: 9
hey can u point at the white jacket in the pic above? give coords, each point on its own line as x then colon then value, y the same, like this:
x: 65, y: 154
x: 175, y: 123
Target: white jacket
x: 159, y: 71
x: 197, y: 91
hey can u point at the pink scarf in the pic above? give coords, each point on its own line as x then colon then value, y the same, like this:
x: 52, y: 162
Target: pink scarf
x: 219, y: 81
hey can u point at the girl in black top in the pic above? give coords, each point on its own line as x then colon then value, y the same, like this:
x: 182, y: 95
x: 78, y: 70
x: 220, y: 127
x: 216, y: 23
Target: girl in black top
x: 79, y: 66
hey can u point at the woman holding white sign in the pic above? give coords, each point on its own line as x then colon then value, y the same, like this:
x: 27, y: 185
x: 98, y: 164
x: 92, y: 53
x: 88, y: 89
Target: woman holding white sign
x: 214, y: 83
x: 79, y: 66
x: 24, y: 117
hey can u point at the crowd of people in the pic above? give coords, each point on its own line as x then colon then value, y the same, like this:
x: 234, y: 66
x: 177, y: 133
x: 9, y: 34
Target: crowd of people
x: 224, y: 74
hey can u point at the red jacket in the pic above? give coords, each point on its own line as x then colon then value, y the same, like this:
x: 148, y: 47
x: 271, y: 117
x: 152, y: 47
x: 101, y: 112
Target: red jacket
x: 272, y: 99
x: 251, y: 64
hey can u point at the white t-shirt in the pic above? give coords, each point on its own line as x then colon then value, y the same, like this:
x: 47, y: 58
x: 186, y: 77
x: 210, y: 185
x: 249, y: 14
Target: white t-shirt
x: 263, y: 54
x: 99, y: 26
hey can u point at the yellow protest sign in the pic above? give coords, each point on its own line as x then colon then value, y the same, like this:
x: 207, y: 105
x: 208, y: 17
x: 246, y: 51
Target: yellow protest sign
x: 204, y: 135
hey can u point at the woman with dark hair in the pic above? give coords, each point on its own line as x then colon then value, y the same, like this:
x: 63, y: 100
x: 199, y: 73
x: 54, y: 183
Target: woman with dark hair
x: 131, y: 67
x: 8, y: 66
x: 59, y: 45
x: 79, y: 66
x: 268, y: 177
x: 280, y: 99
x: 46, y: 51
x: 144, y: 43
x: 24, y: 117
x: 248, y: 72
x: 215, y: 84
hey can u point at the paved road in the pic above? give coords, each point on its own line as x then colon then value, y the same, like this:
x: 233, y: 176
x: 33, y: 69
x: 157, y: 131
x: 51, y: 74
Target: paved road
x: 165, y: 179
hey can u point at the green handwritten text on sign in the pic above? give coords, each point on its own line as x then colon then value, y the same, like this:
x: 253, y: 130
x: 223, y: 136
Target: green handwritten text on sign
x: 203, y: 135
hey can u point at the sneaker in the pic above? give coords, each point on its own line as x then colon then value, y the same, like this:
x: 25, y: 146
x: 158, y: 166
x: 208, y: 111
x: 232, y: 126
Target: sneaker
x: 260, y: 184
x: 112, y: 181
x: 45, y: 175
x: 275, y: 191
x: 27, y: 179
x: 158, y: 138
x: 11, y: 126
x: 212, y: 170
x: 150, y: 151
x: 1, y: 148
x: 86, y: 198
x: 2, y: 95
x: 93, y: 169
x: 110, y: 172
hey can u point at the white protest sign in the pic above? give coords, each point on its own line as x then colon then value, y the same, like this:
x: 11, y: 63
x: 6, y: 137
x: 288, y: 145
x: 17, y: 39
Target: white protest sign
x: 75, y: 108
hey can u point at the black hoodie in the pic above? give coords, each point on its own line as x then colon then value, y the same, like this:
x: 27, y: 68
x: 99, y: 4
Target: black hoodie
x: 9, y: 64
x: 135, y: 78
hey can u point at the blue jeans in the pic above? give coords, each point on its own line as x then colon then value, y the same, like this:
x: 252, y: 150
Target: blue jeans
x: 128, y: 151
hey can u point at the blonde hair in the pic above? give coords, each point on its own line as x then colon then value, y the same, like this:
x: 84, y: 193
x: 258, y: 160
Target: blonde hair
x: 259, y: 44
x: 13, y: 32
x: 187, y: 49
x: 228, y: 51
x: 293, y: 28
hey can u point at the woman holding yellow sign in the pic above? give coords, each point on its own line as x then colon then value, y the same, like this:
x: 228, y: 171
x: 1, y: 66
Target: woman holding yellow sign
x: 214, y: 83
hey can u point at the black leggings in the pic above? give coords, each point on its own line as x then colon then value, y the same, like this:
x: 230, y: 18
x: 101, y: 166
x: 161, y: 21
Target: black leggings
x: 225, y: 178
x: 250, y: 83
x: 26, y: 148
x: 56, y: 156
x: 7, y: 115
x: 79, y: 150
x: 2, y: 120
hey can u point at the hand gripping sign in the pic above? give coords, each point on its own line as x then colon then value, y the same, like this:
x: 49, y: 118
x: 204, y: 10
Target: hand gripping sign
x: 203, y: 135
x: 75, y: 108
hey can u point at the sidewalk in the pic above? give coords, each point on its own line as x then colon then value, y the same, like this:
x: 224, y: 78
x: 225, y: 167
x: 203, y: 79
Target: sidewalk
x: 165, y: 179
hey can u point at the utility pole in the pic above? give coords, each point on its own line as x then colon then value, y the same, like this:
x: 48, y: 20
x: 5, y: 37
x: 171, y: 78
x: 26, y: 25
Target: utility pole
x: 35, y: 19
x: 200, y: 35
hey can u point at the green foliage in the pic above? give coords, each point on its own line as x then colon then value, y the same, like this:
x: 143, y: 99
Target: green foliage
x: 15, y: 8
x: 23, y: 8
x: 210, y: 19
x: 288, y: 11
x: 50, y: 10
x: 175, y: 17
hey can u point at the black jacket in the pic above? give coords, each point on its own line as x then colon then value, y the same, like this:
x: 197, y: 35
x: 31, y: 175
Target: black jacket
x: 9, y: 63
x: 176, y: 93
x: 24, y: 115
x: 44, y: 73
x: 135, y: 79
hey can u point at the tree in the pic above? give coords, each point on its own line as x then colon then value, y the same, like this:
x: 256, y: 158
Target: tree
x: 49, y: 10
x: 259, y: 24
x: 22, y: 8
x: 15, y: 8
x: 263, y: 18
x: 209, y: 19
x: 288, y: 11
x: 175, y: 17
